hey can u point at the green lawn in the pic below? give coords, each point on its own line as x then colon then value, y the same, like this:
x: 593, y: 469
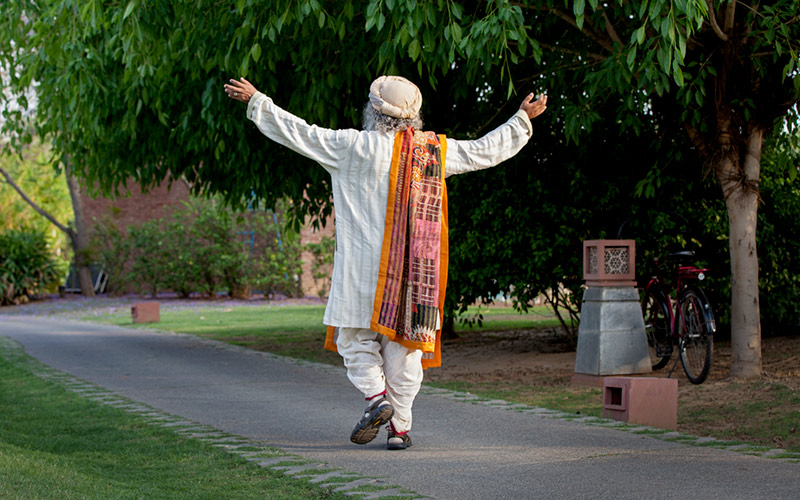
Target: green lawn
x: 289, y: 331
x: 500, y: 317
x: 56, y: 444
x: 293, y: 331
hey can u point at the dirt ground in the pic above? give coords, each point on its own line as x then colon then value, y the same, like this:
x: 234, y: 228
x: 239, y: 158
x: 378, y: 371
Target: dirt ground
x: 721, y: 407
x: 544, y: 356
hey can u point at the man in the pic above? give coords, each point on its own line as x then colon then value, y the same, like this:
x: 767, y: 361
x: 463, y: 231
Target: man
x: 384, y: 310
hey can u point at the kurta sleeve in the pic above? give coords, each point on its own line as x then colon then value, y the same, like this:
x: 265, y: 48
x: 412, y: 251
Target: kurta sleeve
x: 330, y: 148
x: 495, y: 147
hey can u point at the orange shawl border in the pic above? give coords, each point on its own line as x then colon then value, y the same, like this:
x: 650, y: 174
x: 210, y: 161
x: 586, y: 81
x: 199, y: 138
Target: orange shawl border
x: 430, y: 359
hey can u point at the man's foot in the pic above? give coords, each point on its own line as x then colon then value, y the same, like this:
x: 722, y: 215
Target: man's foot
x: 398, y: 441
x: 376, y: 414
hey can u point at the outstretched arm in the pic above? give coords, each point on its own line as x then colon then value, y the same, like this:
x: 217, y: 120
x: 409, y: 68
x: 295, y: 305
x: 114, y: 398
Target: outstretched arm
x: 498, y: 145
x: 330, y: 148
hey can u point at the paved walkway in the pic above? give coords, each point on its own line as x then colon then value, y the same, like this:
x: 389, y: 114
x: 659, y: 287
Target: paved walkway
x: 462, y: 450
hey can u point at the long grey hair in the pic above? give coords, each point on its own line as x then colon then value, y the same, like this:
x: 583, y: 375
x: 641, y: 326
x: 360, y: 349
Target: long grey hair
x: 374, y: 120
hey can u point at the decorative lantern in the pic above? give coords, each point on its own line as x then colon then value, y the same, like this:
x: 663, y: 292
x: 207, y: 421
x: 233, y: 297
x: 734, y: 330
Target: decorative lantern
x: 609, y: 263
x: 611, y: 335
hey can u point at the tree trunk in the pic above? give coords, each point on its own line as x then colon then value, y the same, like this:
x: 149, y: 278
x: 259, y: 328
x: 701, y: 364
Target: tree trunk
x: 740, y: 186
x: 79, y: 236
x: 449, y: 328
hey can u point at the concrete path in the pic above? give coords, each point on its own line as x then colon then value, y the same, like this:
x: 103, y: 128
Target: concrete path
x: 461, y: 450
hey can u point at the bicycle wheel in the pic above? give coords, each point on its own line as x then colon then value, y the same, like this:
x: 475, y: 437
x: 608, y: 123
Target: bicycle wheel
x: 696, y: 325
x: 655, y: 310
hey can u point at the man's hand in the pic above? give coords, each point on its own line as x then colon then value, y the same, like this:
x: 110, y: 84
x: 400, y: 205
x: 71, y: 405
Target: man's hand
x: 241, y: 90
x: 534, y: 108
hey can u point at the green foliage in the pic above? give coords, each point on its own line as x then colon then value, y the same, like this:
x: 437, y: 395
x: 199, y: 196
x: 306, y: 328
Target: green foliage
x: 112, y: 249
x: 134, y: 120
x: 27, y: 266
x: 214, y: 255
x: 150, y: 261
x: 33, y: 172
x: 202, y: 248
x: 778, y: 224
x: 322, y: 263
x: 134, y: 88
x: 275, y: 267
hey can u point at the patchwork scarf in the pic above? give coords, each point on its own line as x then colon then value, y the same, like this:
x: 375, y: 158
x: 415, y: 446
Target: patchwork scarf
x: 412, y: 277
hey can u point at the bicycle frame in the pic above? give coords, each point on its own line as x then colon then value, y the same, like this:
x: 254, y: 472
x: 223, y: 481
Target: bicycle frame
x: 685, y: 274
x: 683, y: 318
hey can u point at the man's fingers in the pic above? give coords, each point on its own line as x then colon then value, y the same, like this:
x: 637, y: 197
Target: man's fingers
x: 535, y: 108
x: 236, y: 92
x: 236, y: 85
x: 528, y: 99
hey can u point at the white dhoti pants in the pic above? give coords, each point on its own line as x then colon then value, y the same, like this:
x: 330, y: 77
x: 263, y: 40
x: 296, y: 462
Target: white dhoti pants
x: 375, y: 364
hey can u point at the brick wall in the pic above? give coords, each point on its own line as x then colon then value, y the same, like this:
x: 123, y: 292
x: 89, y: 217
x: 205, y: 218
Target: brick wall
x: 136, y: 207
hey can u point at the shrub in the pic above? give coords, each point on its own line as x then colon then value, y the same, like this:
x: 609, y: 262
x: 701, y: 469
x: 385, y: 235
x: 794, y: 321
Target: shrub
x: 322, y: 263
x: 112, y: 250
x: 274, y: 264
x: 203, y: 247
x: 218, y: 257
x: 180, y: 272
x: 149, y: 258
x: 27, y: 267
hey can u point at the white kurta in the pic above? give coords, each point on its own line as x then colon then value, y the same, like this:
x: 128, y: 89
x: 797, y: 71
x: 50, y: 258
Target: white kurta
x: 359, y: 163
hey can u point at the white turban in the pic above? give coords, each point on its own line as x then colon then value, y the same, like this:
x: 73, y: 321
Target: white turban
x: 395, y: 96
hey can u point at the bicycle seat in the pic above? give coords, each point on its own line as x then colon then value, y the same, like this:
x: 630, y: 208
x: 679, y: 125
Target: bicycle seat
x: 682, y: 253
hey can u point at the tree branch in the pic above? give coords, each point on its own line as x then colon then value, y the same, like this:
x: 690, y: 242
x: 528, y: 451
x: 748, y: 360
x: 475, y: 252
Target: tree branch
x: 697, y: 139
x: 554, y: 305
x: 36, y: 207
x: 712, y: 19
x: 730, y: 13
x: 611, y: 31
x: 528, y: 79
x: 592, y: 55
x: 571, y: 20
x: 590, y: 34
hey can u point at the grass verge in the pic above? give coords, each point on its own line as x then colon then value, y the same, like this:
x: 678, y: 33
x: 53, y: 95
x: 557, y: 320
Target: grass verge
x: 580, y: 401
x: 758, y: 412
x: 55, y: 444
x: 295, y: 331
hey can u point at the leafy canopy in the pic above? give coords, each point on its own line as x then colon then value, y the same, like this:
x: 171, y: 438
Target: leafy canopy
x: 133, y: 89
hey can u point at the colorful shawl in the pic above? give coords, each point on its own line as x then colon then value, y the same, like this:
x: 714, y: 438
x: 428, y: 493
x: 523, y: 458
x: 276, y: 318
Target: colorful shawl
x: 412, y: 278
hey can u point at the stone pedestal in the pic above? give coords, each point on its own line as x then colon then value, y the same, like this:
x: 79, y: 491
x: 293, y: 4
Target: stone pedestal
x: 611, y: 337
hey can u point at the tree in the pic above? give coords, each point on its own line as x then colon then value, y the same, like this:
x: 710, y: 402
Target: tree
x: 133, y: 89
x: 728, y: 83
x: 77, y: 234
x: 16, y: 110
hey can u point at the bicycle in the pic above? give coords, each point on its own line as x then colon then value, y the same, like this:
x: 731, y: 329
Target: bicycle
x: 686, y: 321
